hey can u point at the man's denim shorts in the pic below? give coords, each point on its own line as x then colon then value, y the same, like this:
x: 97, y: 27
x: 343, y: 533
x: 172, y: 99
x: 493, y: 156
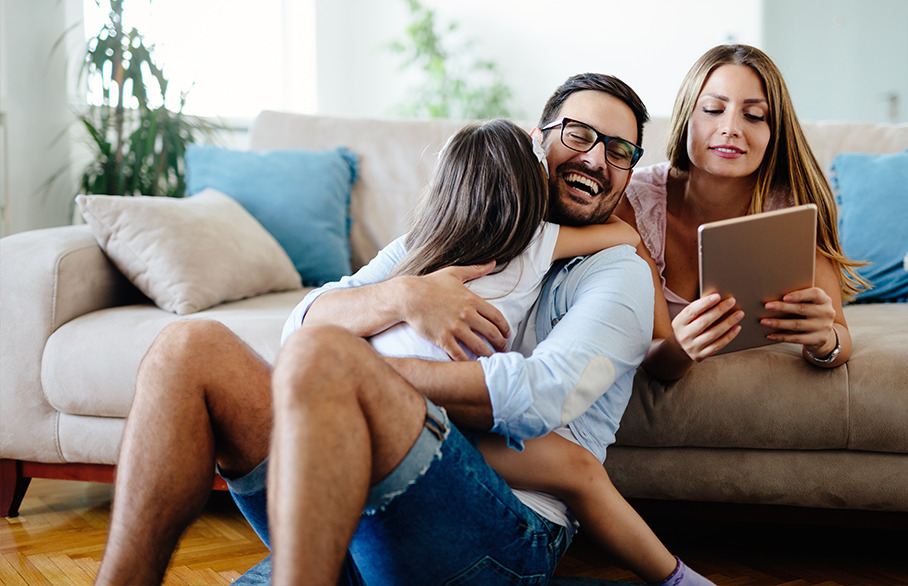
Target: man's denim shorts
x: 443, y: 516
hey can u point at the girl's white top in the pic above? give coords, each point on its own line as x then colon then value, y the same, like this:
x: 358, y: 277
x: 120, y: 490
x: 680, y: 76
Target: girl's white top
x: 512, y: 291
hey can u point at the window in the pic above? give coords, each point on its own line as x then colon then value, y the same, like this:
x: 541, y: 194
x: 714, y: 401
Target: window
x: 234, y: 57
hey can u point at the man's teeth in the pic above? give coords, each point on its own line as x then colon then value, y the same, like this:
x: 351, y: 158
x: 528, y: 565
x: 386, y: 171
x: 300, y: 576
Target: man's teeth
x: 583, y: 183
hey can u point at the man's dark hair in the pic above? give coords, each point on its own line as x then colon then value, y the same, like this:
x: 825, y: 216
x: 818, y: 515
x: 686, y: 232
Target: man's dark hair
x: 601, y: 83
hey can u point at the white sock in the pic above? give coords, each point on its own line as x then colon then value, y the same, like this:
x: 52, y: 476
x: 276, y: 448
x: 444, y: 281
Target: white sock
x: 684, y: 576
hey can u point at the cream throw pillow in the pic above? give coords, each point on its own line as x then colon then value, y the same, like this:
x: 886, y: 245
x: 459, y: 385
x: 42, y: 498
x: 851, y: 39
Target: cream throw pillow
x: 189, y: 254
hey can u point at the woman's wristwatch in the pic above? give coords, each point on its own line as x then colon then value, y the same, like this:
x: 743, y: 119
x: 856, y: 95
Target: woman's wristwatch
x: 832, y: 355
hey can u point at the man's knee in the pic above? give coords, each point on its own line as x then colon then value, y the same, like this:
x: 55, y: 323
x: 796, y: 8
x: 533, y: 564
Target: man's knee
x: 189, y: 339
x: 183, y: 348
x: 321, y: 346
x: 320, y: 357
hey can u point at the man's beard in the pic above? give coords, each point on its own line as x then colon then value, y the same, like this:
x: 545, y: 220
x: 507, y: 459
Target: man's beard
x: 595, y: 212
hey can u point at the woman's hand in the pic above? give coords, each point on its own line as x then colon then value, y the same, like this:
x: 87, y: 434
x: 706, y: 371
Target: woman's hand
x: 811, y: 322
x: 703, y: 328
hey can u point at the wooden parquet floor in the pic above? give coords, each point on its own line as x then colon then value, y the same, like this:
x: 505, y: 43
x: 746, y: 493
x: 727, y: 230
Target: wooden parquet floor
x: 763, y: 546
x: 58, y: 539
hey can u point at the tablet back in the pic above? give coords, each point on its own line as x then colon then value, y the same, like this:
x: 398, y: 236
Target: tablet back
x: 758, y: 258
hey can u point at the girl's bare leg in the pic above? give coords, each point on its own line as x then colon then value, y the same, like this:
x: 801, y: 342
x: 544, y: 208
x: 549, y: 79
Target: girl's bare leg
x: 562, y: 468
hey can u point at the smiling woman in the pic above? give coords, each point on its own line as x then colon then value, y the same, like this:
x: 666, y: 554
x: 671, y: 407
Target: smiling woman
x: 728, y: 129
x: 736, y: 148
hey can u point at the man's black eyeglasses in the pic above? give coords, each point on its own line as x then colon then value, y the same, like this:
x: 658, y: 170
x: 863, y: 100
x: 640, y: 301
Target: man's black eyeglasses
x: 581, y: 137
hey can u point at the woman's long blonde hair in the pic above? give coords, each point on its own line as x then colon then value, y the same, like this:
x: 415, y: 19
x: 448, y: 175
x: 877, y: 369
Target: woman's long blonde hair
x: 788, y: 164
x: 488, y: 196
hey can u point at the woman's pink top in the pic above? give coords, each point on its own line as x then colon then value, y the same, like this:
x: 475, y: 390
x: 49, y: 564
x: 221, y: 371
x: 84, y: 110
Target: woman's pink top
x: 648, y: 194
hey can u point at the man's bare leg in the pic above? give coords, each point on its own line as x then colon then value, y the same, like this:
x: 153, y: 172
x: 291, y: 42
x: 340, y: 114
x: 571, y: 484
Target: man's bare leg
x: 343, y: 420
x: 201, y: 395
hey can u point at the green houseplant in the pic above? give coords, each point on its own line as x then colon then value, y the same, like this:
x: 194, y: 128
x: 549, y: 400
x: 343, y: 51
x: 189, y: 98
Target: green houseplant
x: 138, y: 143
x: 453, y: 84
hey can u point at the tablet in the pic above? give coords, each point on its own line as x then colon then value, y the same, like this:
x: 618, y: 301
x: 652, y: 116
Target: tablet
x: 758, y: 258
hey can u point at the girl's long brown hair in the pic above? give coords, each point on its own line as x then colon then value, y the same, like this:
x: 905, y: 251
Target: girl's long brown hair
x: 788, y: 165
x: 485, y: 202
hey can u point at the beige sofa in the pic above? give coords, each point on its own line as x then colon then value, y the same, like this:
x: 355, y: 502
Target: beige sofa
x: 759, y: 426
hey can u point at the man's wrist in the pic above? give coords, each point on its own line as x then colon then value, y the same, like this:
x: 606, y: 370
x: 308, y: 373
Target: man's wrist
x: 459, y: 387
x: 407, y: 292
x: 394, y: 298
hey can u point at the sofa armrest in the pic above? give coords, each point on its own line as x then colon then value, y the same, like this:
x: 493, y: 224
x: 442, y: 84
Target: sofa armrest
x: 47, y: 278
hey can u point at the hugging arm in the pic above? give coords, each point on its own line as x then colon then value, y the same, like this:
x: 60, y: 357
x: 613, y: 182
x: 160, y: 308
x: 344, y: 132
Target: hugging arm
x: 601, y: 339
x: 459, y: 387
x: 438, y: 305
x: 582, y: 240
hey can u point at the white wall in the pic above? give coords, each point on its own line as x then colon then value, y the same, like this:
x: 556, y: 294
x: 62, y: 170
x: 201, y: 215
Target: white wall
x: 536, y: 43
x: 840, y: 57
x: 357, y: 75
x: 842, y: 60
x: 35, y: 114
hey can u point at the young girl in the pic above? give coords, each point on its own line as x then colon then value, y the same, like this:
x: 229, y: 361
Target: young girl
x: 488, y: 202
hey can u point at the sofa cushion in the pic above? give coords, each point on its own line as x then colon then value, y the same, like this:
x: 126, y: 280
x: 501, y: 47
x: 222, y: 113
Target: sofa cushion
x: 737, y: 400
x: 872, y: 191
x: 301, y: 197
x: 878, y: 377
x: 90, y: 363
x: 188, y: 254
x: 771, y: 398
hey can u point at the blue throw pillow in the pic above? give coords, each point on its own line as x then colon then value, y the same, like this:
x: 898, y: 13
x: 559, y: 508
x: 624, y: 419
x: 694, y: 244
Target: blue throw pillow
x: 301, y: 197
x: 872, y: 191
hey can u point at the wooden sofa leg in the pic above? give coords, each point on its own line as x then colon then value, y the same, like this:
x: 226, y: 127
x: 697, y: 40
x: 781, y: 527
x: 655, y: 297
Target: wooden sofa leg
x: 15, y: 476
x: 12, y: 487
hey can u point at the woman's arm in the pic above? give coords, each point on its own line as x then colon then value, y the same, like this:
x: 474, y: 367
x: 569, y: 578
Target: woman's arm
x: 698, y: 332
x: 666, y: 359
x: 820, y: 326
x: 694, y: 333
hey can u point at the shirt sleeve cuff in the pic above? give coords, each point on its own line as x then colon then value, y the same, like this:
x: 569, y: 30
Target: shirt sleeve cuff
x: 509, y: 394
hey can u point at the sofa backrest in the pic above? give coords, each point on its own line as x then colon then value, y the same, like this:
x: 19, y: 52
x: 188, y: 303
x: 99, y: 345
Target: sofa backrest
x: 397, y: 158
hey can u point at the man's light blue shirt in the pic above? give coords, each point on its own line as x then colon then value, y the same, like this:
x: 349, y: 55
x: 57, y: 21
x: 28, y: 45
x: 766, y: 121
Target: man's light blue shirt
x: 594, y: 318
